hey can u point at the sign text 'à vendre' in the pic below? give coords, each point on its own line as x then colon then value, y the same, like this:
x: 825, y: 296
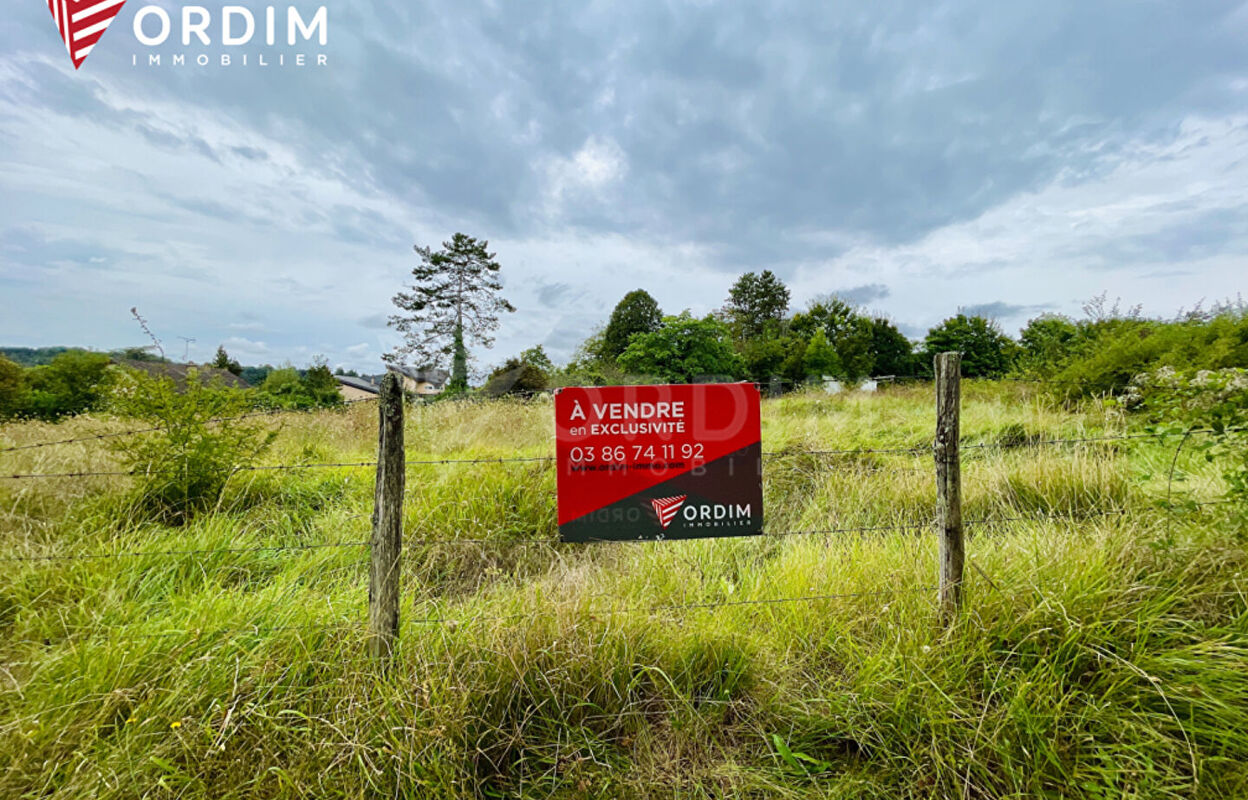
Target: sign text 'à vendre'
x: 658, y: 462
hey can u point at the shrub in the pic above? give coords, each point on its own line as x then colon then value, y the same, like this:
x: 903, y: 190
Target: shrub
x: 516, y: 376
x: 200, y: 442
x: 765, y: 357
x: 986, y: 351
x: 12, y: 389
x: 891, y: 352
x: 1214, y: 402
x: 1047, y: 340
x: 1110, y: 353
x: 286, y: 388
x: 684, y: 350
x: 821, y: 358
x: 72, y: 384
x: 849, y: 333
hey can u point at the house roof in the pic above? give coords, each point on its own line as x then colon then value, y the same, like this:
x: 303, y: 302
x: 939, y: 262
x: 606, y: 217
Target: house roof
x: 435, y: 376
x: 178, y: 372
x: 363, y: 384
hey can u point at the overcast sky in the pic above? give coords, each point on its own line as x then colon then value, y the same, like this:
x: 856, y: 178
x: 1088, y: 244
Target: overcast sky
x: 1008, y: 158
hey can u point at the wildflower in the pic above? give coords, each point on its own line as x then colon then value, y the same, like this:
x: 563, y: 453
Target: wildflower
x: 175, y: 725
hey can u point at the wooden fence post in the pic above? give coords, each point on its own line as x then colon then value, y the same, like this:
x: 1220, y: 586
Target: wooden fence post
x: 949, y: 481
x: 387, y: 543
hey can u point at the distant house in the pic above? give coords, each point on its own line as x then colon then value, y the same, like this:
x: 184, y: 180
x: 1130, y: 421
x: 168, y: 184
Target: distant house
x: 355, y: 389
x: 178, y: 372
x: 422, y: 382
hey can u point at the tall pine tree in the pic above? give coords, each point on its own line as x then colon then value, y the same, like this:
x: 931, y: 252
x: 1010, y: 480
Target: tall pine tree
x: 756, y: 305
x: 455, y: 298
x: 636, y: 313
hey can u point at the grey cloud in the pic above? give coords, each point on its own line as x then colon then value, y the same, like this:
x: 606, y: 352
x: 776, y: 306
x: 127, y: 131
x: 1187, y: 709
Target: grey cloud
x: 31, y: 247
x: 863, y: 295
x: 170, y: 140
x: 366, y: 226
x: 553, y: 295
x: 742, y: 127
x: 1200, y: 235
x: 999, y: 309
x: 250, y: 153
x: 912, y: 330
x: 211, y: 208
x: 737, y: 120
x: 1166, y: 274
x: 567, y: 332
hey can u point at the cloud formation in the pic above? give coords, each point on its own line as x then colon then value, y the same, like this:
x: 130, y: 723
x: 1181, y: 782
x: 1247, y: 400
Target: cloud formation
x: 864, y: 294
x: 999, y: 309
x: 929, y: 156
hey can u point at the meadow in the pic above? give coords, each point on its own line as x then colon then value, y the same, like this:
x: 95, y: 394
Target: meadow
x: 1102, y: 650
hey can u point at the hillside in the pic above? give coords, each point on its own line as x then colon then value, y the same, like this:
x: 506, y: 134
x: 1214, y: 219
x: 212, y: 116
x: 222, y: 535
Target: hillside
x: 1101, y: 653
x: 34, y: 356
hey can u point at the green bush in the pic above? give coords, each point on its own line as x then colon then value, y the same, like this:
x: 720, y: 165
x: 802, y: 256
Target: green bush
x: 821, y: 358
x: 72, y: 384
x: 287, y: 388
x: 13, y: 391
x: 1210, y: 410
x: 1104, y: 353
x: 986, y: 351
x: 847, y: 331
x: 200, y: 442
x: 516, y: 376
x: 684, y: 350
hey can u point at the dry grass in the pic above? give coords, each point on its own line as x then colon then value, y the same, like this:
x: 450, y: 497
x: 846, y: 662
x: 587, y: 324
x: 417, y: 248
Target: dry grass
x: 1101, y: 657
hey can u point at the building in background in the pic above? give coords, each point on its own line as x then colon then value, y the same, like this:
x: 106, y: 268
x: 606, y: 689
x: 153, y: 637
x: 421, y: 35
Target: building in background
x: 354, y: 389
x: 178, y: 372
x: 422, y: 382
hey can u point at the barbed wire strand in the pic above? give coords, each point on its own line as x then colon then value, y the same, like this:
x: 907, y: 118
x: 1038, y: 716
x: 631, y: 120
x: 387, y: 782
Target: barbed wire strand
x: 257, y: 630
x: 882, y: 381
x: 415, y: 541
x: 114, y: 634
x: 111, y: 634
x: 915, y: 451
x: 172, y: 553
x: 270, y: 412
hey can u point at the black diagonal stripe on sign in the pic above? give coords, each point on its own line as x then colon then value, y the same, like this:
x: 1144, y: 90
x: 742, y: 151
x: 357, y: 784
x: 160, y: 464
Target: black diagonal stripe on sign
x: 722, y: 498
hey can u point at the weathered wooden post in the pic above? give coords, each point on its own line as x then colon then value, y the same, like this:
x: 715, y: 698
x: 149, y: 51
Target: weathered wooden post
x: 949, y: 481
x: 387, y: 543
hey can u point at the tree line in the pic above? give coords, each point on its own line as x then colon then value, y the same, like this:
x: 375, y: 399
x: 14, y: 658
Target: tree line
x: 455, y: 300
x: 756, y: 336
x: 75, y: 381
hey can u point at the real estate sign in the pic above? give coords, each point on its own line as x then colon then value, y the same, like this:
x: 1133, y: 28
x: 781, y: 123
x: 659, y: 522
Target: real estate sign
x: 658, y: 462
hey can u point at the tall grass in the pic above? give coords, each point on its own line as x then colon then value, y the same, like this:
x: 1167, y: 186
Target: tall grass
x: 1097, y: 656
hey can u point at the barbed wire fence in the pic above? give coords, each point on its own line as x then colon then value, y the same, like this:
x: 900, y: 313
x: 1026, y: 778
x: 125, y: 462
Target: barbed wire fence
x: 382, y: 625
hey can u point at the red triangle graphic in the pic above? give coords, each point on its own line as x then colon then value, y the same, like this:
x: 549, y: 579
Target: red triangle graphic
x: 81, y: 23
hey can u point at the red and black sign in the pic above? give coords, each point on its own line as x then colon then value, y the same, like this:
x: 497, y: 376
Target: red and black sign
x: 658, y: 462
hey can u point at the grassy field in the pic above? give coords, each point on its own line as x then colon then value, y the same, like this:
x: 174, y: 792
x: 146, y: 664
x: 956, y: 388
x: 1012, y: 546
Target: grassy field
x: 1098, y: 655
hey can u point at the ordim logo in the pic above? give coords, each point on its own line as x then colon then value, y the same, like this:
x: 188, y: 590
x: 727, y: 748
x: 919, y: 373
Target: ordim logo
x: 81, y: 23
x: 227, y: 35
x: 666, y: 508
